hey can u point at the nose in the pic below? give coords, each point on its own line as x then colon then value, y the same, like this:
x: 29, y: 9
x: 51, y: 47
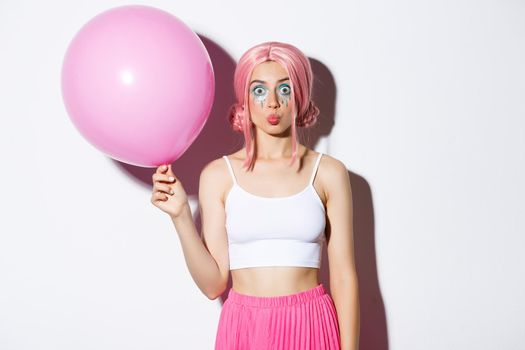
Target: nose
x: 273, y: 101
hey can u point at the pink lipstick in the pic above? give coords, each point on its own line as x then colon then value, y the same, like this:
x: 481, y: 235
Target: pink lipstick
x: 273, y: 119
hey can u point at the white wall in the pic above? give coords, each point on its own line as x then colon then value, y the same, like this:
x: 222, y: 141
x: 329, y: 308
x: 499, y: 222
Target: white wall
x: 422, y: 100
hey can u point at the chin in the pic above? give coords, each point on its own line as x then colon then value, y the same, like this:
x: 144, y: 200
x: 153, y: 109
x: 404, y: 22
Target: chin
x: 280, y: 131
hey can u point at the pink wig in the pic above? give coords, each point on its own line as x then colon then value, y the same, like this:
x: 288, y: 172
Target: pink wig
x: 297, y: 65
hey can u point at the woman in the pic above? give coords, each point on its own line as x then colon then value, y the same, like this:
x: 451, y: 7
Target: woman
x: 266, y: 211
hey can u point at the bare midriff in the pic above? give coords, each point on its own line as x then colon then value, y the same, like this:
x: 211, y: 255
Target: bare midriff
x: 274, y: 281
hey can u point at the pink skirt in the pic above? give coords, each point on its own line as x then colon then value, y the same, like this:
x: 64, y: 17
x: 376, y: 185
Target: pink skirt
x: 304, y: 320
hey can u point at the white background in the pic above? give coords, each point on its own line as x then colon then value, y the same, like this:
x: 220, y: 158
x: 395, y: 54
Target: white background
x: 422, y: 100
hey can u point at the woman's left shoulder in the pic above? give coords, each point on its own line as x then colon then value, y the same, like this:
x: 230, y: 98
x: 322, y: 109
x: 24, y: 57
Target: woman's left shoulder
x: 331, y: 166
x: 334, y: 178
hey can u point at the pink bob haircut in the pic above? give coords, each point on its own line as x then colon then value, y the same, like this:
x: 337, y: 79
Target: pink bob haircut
x: 297, y: 65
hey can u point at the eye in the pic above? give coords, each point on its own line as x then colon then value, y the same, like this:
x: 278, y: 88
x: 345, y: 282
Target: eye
x: 285, y: 89
x: 259, y: 90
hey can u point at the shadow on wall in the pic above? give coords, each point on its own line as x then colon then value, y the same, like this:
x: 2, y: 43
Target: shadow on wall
x: 217, y: 139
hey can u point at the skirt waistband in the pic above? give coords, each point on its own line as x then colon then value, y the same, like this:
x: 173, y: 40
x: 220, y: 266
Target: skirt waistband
x: 279, y: 300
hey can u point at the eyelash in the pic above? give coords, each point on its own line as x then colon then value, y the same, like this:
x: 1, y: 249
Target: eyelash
x: 262, y: 87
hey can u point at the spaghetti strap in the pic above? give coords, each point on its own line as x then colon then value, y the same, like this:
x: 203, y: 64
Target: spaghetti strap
x: 230, y: 168
x: 315, y: 168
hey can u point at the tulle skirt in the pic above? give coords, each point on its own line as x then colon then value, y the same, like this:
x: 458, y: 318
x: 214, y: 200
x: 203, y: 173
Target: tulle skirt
x: 300, y: 321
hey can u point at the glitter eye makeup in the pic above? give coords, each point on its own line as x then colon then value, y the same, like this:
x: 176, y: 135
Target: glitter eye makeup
x: 260, y: 93
x: 285, y: 89
x: 285, y: 92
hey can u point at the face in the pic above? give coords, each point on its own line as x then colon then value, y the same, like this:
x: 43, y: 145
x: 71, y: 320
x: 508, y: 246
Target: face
x: 270, y: 98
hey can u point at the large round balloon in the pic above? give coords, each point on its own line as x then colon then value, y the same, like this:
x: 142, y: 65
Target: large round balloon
x: 138, y: 84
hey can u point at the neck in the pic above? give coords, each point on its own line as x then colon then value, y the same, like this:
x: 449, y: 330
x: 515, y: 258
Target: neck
x: 268, y: 147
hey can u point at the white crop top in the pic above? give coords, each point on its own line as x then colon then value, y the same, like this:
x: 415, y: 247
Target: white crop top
x: 274, y: 231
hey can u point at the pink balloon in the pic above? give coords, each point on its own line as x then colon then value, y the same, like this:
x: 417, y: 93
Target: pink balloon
x: 138, y: 84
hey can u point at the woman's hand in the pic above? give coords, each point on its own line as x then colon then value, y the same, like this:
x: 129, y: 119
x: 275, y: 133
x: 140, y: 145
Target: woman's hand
x: 168, y: 195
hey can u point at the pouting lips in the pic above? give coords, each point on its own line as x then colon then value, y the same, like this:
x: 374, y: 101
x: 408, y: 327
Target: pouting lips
x: 273, y: 119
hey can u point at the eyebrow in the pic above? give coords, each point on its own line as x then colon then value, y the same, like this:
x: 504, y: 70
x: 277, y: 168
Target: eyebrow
x: 262, y: 81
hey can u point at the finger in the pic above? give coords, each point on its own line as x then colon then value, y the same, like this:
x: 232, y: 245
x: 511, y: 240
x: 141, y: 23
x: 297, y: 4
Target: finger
x: 161, y: 169
x: 170, y: 171
x: 158, y: 196
x: 162, y: 178
x: 163, y: 188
